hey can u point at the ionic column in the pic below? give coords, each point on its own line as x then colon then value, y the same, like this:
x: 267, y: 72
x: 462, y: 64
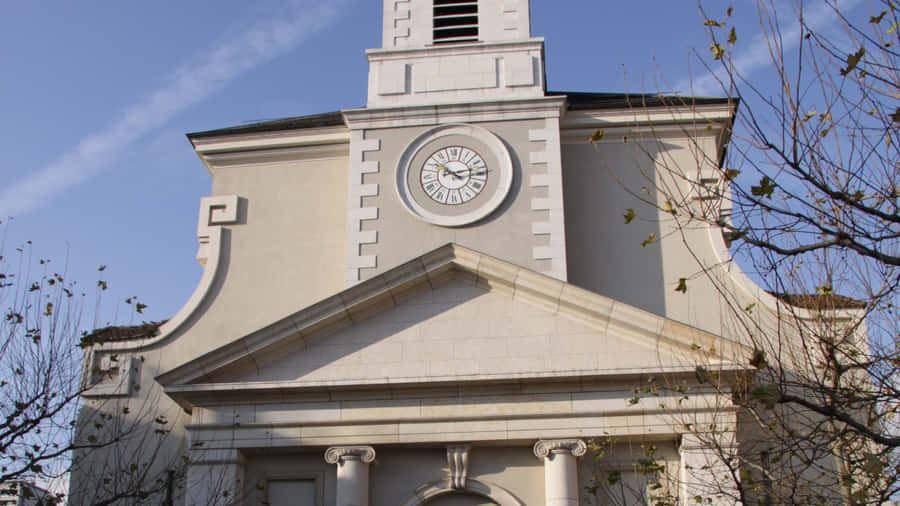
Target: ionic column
x: 352, y: 473
x: 560, y: 469
x: 215, y: 478
x: 704, y: 472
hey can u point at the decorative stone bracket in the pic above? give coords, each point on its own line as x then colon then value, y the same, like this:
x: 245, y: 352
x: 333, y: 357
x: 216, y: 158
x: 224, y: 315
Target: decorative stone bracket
x: 111, y: 375
x: 458, y: 462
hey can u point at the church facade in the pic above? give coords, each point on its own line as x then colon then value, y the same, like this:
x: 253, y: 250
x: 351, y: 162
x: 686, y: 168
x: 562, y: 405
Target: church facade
x: 434, y: 299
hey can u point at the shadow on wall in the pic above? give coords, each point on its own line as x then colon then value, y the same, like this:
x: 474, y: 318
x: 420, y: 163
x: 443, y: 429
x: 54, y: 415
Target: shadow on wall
x: 349, y: 351
x: 604, y: 254
x: 130, y: 451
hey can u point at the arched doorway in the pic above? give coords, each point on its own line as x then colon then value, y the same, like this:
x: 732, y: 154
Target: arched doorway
x: 460, y: 499
x: 475, y: 493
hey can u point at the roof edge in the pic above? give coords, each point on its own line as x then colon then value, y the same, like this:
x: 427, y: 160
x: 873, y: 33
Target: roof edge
x: 577, y: 100
x: 326, y: 119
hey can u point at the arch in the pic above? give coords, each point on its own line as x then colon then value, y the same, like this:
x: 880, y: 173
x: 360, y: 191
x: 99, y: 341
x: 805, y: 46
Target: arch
x: 485, y: 489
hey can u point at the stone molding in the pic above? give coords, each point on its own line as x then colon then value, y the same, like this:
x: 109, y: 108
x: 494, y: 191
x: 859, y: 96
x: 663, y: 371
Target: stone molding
x: 338, y: 454
x: 357, y: 212
x: 512, y: 12
x: 458, y: 463
x: 661, y: 118
x: 545, y: 157
x: 400, y: 24
x: 377, y: 426
x: 454, y: 73
x: 535, y: 43
x: 271, y: 147
x: 544, y: 447
x: 423, y: 115
x: 116, y: 377
x: 215, y: 212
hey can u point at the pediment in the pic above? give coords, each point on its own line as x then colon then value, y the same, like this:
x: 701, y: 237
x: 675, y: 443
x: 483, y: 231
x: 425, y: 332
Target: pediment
x: 453, y: 315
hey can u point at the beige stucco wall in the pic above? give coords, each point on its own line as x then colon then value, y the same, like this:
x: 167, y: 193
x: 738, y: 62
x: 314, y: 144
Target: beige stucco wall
x: 148, y: 430
x: 285, y: 253
x: 605, y: 255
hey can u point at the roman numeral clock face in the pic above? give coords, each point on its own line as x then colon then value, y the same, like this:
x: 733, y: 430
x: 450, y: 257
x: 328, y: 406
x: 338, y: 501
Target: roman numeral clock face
x: 453, y: 175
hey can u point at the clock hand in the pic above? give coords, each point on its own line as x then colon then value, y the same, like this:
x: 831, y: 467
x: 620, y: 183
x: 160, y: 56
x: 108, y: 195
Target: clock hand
x: 444, y: 168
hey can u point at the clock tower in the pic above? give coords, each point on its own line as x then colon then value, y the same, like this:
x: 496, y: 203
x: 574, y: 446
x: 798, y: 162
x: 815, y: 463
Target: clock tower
x: 459, y: 141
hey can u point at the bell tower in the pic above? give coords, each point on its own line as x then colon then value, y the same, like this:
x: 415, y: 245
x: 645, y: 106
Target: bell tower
x: 448, y: 51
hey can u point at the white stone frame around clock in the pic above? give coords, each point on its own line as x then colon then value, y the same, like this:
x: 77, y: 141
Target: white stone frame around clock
x: 504, y: 170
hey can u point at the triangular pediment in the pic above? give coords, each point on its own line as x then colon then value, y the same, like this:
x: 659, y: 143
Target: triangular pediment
x: 452, y: 315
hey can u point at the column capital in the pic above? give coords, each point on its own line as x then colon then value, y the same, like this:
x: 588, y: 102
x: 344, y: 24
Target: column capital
x: 544, y: 447
x: 338, y: 454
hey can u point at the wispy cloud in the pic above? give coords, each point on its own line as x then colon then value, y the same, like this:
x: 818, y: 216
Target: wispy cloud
x: 756, y: 56
x: 188, y: 85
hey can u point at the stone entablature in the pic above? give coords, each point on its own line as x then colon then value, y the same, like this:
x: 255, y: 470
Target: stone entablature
x: 511, y: 70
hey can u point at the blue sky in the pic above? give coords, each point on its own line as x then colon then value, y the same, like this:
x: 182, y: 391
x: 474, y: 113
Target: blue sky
x: 95, y: 99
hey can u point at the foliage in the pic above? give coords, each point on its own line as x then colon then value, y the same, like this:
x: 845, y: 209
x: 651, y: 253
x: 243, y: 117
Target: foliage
x: 808, y: 197
x: 41, y: 387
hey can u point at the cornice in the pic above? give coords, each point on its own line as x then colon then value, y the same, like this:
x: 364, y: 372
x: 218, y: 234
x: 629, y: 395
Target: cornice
x: 265, y: 147
x: 447, y: 50
x: 473, y: 112
x: 698, y: 115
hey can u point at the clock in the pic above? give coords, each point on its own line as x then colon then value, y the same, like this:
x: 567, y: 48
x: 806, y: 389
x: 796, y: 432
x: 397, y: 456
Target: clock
x: 454, y: 175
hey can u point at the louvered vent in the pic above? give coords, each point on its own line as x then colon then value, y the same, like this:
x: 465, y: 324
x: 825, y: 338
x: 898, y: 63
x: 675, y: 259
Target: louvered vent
x: 455, y: 21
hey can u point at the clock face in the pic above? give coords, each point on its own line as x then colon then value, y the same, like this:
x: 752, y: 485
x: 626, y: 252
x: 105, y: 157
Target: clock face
x: 453, y: 175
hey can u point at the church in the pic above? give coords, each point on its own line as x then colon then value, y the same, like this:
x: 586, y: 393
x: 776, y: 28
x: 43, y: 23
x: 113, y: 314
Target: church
x: 435, y: 299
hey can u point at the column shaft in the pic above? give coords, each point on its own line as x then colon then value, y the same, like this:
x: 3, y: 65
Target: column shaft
x: 352, y: 473
x: 352, y: 482
x: 561, y: 479
x: 560, y: 470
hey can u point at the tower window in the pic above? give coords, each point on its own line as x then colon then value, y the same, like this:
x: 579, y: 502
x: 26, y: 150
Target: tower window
x: 455, y: 21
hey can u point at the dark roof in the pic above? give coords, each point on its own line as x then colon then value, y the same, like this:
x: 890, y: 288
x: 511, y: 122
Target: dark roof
x: 578, y: 100
x: 815, y: 301
x: 122, y: 333
x: 313, y: 121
